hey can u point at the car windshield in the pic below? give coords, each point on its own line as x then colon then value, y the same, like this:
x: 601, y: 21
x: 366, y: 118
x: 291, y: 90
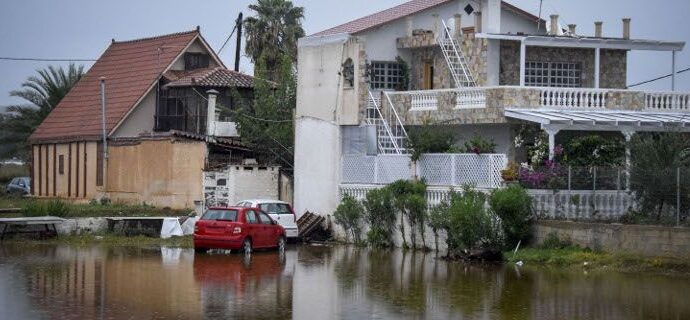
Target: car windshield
x: 225, y: 215
x: 275, y: 208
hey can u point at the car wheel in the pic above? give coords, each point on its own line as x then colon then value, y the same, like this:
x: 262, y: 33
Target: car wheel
x: 281, y: 244
x: 247, y: 246
x: 200, y: 250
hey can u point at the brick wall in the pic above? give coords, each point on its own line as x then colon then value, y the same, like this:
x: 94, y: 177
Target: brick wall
x: 636, y: 239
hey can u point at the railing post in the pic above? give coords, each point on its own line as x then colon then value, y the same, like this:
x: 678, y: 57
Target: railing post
x: 376, y: 170
x: 453, y: 161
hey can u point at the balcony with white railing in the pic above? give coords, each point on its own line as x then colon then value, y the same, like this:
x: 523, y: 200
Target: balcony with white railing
x: 482, y: 103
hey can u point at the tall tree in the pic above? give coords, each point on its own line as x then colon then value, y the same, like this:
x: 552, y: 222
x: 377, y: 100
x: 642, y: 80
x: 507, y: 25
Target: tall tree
x: 42, y: 92
x: 273, y: 32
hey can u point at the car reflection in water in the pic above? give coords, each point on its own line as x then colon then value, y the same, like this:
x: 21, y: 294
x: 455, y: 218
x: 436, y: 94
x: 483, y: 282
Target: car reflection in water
x: 252, y: 286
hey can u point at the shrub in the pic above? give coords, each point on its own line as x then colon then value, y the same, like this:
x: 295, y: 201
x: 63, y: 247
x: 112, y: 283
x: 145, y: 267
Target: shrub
x: 438, y: 219
x: 409, y: 201
x: 469, y: 225
x: 429, y: 139
x: 594, y: 150
x: 479, y: 145
x: 552, y: 241
x: 380, y: 215
x: 511, y: 172
x: 34, y: 209
x: 57, y: 208
x: 349, y: 216
x: 514, y: 206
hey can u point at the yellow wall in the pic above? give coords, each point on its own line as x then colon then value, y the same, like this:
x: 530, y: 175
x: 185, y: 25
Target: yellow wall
x: 72, y: 183
x: 162, y: 173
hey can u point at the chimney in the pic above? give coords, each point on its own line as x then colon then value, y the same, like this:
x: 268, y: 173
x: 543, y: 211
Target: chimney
x: 211, y: 113
x: 491, y: 16
x: 626, y: 28
x: 410, y: 26
x: 478, y: 22
x: 554, y: 25
x: 572, y: 28
x: 597, y: 29
x: 437, y: 29
x: 457, y: 21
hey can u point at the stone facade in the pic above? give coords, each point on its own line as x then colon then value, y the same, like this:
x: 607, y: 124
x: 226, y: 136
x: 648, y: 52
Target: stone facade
x: 442, y: 78
x: 651, y: 241
x: 613, y: 64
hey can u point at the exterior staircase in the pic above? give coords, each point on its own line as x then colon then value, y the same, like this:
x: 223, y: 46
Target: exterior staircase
x: 390, y: 132
x: 455, y: 58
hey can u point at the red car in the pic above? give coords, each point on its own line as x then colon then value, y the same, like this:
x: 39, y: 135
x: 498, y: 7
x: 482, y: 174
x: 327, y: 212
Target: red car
x: 237, y: 228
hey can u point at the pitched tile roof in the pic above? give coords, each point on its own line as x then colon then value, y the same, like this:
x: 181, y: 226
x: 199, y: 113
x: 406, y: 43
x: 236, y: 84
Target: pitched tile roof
x: 130, y: 69
x: 209, y: 77
x: 398, y: 12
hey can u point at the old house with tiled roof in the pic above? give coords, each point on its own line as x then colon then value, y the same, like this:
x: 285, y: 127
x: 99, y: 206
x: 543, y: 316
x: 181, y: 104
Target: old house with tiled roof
x: 474, y: 67
x: 163, y: 125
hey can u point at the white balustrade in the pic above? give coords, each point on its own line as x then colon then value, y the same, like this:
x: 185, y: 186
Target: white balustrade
x: 573, y: 98
x: 667, y: 101
x: 581, y: 205
x: 470, y: 99
x: 424, y: 100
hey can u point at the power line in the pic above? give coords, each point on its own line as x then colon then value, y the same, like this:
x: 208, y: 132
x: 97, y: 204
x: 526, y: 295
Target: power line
x: 658, y: 78
x: 46, y: 59
x: 228, y: 39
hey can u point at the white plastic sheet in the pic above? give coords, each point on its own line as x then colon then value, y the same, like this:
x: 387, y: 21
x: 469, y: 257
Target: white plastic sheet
x: 188, y: 225
x: 171, y: 227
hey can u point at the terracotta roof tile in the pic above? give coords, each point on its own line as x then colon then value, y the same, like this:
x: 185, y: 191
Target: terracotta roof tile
x: 210, y: 77
x: 130, y: 69
x: 398, y: 12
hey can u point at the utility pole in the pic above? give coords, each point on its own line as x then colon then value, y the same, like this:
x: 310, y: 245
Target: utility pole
x: 105, y: 136
x: 238, y: 47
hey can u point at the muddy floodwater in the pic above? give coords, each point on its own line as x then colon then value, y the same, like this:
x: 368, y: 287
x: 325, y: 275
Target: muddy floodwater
x: 314, y: 282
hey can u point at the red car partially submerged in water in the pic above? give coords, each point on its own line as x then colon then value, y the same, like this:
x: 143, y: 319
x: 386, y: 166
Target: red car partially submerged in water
x: 237, y: 228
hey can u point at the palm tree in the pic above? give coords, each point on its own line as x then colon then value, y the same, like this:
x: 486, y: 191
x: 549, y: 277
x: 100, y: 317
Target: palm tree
x: 43, y: 92
x: 273, y: 31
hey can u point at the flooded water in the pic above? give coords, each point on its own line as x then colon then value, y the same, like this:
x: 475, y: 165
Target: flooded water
x: 314, y: 282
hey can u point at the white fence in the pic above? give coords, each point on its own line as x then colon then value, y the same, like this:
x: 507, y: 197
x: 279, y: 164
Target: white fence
x: 434, y: 195
x: 667, y: 101
x: 480, y: 170
x: 572, y: 98
x: 581, y: 205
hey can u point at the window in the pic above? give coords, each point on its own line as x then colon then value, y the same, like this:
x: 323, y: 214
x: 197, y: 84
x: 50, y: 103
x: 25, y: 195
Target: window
x: 251, y: 216
x: 225, y: 215
x: 386, y: 75
x: 195, y: 61
x: 265, y: 219
x: 61, y: 164
x: 275, y: 208
x: 553, y: 74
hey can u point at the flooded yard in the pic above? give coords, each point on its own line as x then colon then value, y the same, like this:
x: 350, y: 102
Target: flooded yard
x: 314, y: 282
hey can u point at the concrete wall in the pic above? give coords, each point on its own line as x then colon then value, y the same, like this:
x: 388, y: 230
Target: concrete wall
x: 236, y: 183
x: 636, y: 239
x: 78, y: 178
x: 142, y: 119
x: 162, y: 173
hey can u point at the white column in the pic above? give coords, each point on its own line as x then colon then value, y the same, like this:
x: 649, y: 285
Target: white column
x: 673, y: 70
x: 597, y: 63
x: 628, y: 136
x: 523, y: 53
x: 211, y: 113
x: 552, y: 140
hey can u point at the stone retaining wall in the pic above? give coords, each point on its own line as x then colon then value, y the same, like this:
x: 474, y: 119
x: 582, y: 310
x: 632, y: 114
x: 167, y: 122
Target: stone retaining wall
x: 619, y: 238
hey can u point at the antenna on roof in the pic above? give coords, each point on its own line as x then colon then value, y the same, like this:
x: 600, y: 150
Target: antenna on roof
x: 112, y: 40
x: 198, y: 28
x: 541, y: 2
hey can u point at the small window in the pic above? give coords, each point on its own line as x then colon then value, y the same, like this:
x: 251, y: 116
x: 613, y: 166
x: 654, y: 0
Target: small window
x: 61, y: 164
x: 265, y: 219
x: 193, y: 60
x: 275, y: 208
x: 222, y: 182
x: 250, y: 215
x: 553, y: 74
x: 224, y: 215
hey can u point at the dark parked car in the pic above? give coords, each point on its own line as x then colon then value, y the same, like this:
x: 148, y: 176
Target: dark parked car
x: 237, y: 228
x: 19, y: 186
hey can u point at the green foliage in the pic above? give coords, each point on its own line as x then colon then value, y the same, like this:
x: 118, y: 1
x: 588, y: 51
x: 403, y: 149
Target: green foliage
x: 43, y: 93
x: 467, y: 223
x: 552, y: 241
x: 34, y: 209
x: 273, y: 32
x: 438, y: 219
x: 477, y: 144
x: 655, y: 158
x: 404, y: 75
x: 265, y: 123
x: 514, y: 206
x: 594, y: 150
x: 57, y: 208
x: 349, y: 216
x: 380, y: 215
x: 429, y: 139
x: 409, y: 201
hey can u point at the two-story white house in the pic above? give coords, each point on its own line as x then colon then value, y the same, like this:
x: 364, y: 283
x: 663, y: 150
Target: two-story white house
x: 480, y: 66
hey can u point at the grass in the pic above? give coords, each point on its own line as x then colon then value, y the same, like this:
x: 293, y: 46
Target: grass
x: 33, y: 207
x: 108, y: 240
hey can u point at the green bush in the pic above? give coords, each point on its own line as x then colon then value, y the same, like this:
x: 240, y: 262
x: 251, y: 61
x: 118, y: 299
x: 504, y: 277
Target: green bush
x: 57, y: 208
x: 552, y: 241
x: 429, y: 139
x: 594, y: 150
x: 34, y: 209
x: 438, y: 219
x: 380, y: 215
x: 469, y: 225
x: 409, y: 201
x: 349, y: 216
x: 477, y: 144
x: 514, y: 206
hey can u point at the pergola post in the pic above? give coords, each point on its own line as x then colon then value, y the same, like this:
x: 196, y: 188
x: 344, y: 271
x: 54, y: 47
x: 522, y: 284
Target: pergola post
x: 597, y: 63
x: 628, y: 136
x: 523, y: 61
x: 551, y: 131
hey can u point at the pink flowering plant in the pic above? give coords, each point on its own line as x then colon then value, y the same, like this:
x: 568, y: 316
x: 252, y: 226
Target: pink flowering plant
x: 549, y: 174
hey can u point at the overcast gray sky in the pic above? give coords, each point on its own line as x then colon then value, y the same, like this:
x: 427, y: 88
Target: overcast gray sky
x: 83, y: 28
